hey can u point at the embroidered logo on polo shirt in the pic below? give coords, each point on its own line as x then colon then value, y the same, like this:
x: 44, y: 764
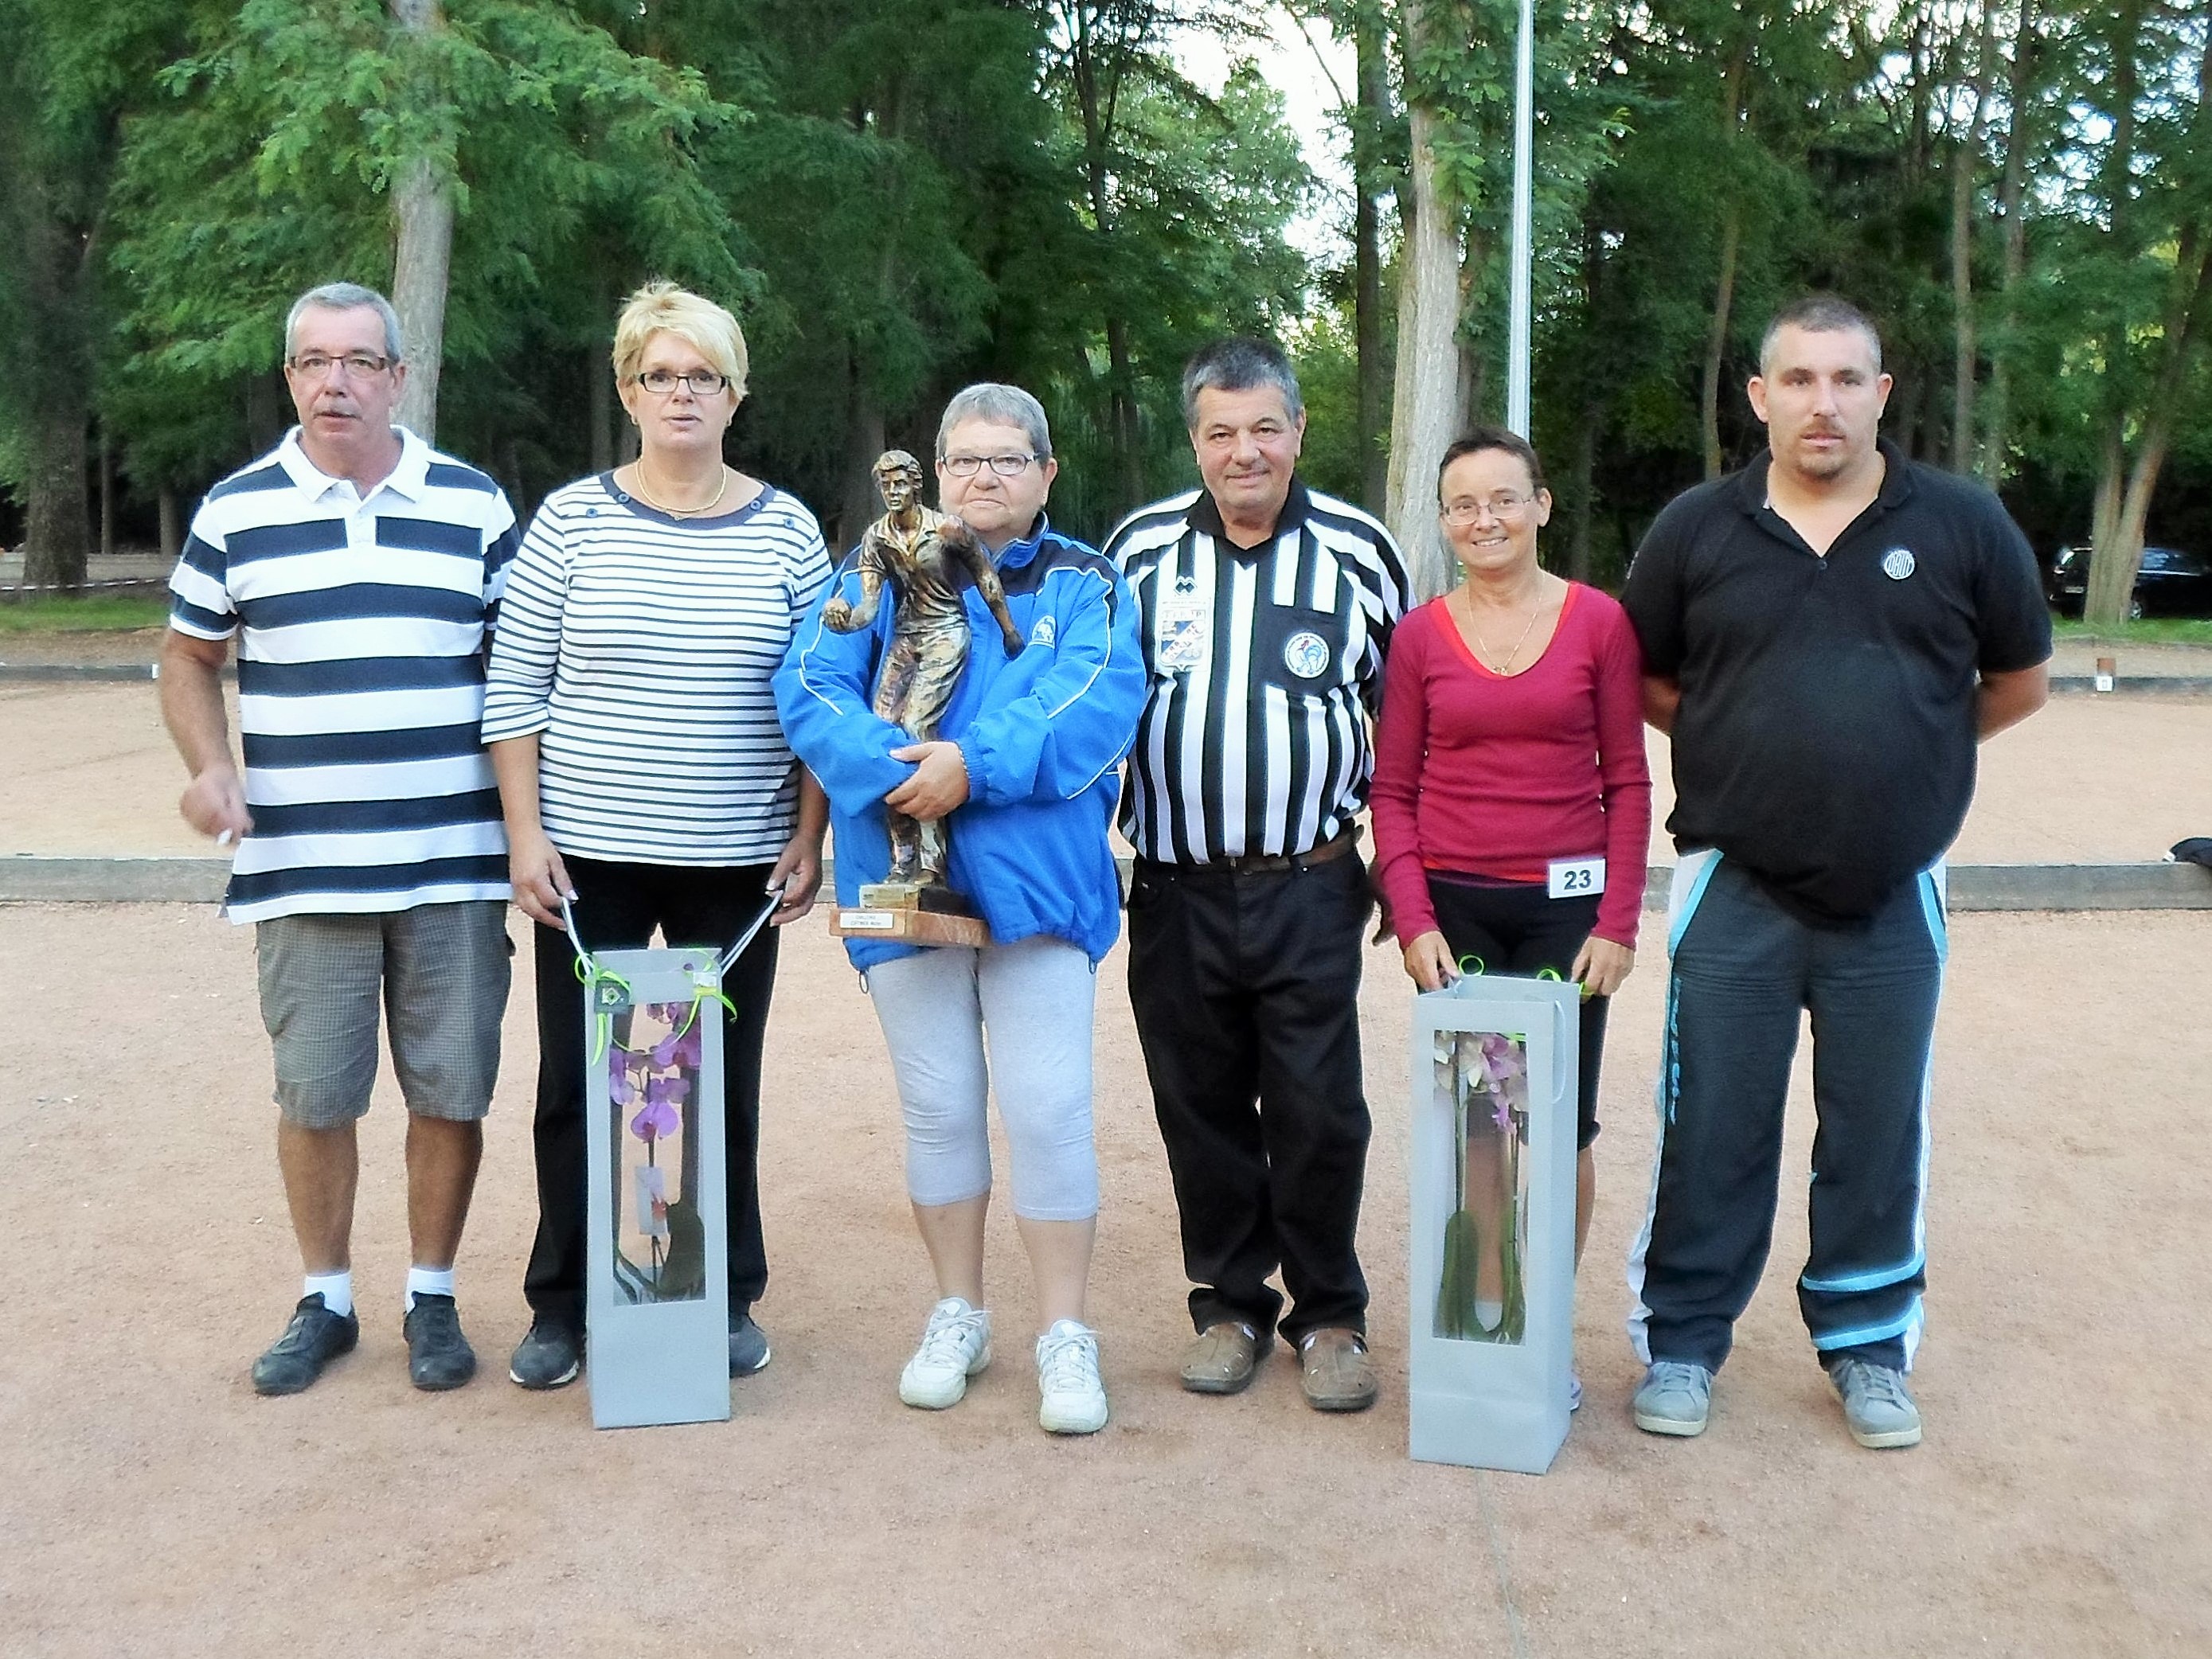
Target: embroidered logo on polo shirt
x: 1898, y: 563
x: 1306, y: 655
x: 1043, y: 633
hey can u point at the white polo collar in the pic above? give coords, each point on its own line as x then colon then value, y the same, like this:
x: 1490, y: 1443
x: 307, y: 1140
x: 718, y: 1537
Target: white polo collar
x: 410, y: 478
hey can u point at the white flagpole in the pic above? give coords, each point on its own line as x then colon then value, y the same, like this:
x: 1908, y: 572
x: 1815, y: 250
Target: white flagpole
x: 1518, y: 348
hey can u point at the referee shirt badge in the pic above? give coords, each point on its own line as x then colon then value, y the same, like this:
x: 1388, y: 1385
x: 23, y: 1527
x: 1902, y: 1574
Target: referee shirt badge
x: 1898, y: 563
x: 1181, y: 636
x: 1306, y: 655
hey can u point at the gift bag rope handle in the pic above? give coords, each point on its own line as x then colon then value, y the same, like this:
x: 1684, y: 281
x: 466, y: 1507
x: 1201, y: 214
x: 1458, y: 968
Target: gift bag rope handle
x: 1552, y: 973
x: 591, y: 973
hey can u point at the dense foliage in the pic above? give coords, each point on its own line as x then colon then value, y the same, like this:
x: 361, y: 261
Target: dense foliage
x: 897, y: 195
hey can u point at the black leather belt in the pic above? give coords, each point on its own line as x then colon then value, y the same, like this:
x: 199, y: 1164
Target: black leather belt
x: 1261, y: 864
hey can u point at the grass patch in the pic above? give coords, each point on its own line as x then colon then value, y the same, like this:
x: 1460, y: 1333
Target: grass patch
x: 2151, y: 630
x: 95, y: 613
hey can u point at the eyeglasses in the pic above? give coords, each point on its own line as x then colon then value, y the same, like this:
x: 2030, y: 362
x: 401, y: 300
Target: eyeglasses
x: 967, y: 466
x: 1503, y: 505
x: 318, y: 366
x: 705, y: 383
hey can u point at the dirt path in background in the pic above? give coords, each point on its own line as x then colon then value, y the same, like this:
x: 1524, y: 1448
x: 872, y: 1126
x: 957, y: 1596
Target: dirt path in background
x: 152, y: 1505
x: 2088, y: 781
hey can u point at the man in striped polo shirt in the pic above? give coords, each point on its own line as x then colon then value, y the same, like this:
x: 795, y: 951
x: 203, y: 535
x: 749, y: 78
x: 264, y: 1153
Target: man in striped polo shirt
x: 359, y: 571
x: 1264, y: 610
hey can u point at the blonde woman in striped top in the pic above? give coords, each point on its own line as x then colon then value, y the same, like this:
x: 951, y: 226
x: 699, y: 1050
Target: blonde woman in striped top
x: 641, y: 768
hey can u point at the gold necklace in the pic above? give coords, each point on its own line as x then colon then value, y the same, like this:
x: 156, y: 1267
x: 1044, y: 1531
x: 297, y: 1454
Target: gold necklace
x: 639, y: 489
x: 1482, y: 646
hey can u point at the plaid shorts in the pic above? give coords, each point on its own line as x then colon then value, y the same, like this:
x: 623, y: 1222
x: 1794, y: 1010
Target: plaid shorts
x: 440, y: 971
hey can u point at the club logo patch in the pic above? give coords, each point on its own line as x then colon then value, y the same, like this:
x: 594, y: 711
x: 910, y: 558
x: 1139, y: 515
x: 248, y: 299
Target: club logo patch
x: 1306, y: 655
x: 1898, y: 563
x: 1043, y: 634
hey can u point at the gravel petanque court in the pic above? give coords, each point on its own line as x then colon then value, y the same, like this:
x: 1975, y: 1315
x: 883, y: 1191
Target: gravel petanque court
x: 154, y: 1505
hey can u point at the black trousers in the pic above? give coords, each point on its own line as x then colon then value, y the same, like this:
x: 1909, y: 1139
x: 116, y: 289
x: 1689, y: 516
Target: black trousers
x: 617, y: 908
x: 1519, y: 928
x: 1246, y: 991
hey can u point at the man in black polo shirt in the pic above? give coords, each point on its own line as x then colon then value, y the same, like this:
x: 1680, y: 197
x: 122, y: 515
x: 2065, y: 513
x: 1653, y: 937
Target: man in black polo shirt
x: 1826, y: 635
x: 1264, y: 609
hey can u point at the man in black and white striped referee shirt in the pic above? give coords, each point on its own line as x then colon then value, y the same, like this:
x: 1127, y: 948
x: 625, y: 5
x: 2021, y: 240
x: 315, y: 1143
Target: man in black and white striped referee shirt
x: 1264, y: 608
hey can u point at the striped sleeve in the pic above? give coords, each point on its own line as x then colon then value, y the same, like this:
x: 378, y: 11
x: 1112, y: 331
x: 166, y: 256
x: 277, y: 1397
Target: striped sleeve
x: 200, y: 604
x: 533, y: 584
x: 503, y: 538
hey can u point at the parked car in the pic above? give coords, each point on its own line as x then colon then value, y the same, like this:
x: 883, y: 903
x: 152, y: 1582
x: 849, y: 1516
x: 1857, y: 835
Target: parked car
x: 2172, y: 583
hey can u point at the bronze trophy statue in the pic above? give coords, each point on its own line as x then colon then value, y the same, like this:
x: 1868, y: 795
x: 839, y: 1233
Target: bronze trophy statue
x: 927, y: 559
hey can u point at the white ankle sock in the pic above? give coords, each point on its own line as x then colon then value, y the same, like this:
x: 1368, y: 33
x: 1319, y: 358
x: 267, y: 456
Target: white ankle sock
x: 336, y: 1290
x: 428, y: 1281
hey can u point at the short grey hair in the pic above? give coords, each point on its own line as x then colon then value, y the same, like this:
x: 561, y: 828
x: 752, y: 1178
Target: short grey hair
x: 1819, y: 314
x: 1239, y: 365
x: 347, y: 296
x: 1001, y: 405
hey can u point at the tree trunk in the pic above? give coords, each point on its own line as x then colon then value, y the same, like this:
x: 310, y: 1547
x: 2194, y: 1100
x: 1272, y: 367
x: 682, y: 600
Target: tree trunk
x: 1124, y: 439
x: 1582, y: 493
x: 423, y: 211
x: 1121, y: 410
x: 172, y: 523
x: 864, y: 445
x: 2011, y: 199
x: 2116, y: 553
x: 1708, y: 395
x: 106, y: 493
x: 1966, y: 156
x: 1367, y: 244
x: 1424, y: 401
x: 57, y: 527
x: 1708, y: 398
x: 264, y: 411
x: 599, y: 406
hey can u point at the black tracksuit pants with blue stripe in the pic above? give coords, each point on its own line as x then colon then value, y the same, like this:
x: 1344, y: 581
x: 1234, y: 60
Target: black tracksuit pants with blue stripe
x: 1744, y: 970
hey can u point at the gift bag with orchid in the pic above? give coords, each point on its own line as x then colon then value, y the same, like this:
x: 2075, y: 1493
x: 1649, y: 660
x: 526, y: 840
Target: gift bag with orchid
x: 1482, y: 1079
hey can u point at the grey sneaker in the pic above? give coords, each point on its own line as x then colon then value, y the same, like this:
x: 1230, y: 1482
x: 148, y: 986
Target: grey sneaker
x: 549, y: 1357
x: 1675, y: 1398
x: 1877, y: 1409
x: 748, y: 1346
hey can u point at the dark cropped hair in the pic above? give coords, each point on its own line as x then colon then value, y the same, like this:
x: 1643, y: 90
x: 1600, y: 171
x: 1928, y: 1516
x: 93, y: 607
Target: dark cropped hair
x: 1819, y: 314
x: 1238, y: 364
x: 1492, y: 437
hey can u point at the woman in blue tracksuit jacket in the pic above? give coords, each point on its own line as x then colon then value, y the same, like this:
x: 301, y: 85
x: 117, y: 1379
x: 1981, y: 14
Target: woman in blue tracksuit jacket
x: 1030, y: 755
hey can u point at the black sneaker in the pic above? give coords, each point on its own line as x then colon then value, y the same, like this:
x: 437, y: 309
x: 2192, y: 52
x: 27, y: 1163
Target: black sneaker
x: 315, y: 1337
x: 748, y: 1346
x: 548, y: 1358
x: 438, y: 1355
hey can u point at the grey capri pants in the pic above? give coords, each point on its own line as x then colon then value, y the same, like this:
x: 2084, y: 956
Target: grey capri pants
x: 1031, y: 1003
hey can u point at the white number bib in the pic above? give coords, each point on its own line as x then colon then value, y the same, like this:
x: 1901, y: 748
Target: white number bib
x: 1575, y: 877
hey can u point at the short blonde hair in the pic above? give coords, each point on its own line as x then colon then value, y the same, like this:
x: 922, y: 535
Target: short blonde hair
x: 664, y: 309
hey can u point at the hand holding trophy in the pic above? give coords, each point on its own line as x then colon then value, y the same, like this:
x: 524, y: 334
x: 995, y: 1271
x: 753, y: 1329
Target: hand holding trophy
x: 929, y: 560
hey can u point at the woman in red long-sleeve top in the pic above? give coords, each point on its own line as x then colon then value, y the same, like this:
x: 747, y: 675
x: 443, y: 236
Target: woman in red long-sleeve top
x: 1512, y: 800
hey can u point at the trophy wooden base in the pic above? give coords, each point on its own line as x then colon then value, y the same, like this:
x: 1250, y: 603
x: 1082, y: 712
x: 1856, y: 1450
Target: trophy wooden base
x: 911, y: 913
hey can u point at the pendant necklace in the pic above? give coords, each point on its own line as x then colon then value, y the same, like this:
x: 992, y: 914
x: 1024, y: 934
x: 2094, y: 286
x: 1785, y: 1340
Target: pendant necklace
x: 638, y: 490
x: 1482, y: 646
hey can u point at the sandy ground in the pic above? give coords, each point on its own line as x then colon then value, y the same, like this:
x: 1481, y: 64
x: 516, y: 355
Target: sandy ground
x: 2089, y: 780
x: 152, y: 1505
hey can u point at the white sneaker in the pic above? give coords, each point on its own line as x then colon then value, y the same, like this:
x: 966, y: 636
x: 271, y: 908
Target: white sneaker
x: 1072, y: 1400
x: 955, y: 1345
